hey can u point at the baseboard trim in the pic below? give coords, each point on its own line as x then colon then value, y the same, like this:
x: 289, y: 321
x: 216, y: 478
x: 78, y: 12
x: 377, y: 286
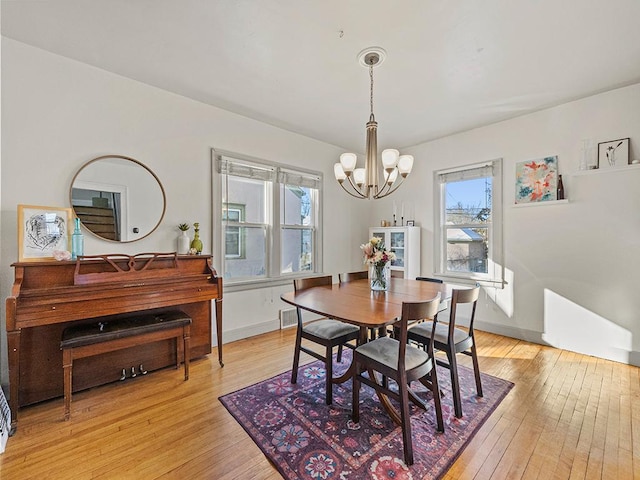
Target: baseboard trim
x: 508, y: 331
x: 248, y: 331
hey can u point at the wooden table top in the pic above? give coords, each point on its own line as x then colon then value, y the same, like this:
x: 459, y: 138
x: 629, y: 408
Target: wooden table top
x: 355, y: 302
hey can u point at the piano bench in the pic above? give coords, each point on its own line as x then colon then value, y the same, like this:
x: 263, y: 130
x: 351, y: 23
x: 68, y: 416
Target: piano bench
x: 101, y: 337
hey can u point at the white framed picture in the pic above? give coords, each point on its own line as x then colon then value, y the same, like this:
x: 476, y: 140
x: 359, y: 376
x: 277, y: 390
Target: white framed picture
x: 613, y: 153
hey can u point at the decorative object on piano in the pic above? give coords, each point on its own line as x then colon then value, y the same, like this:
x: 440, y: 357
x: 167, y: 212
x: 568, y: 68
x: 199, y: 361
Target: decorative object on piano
x: 379, y: 260
x: 613, y: 153
x: 103, y: 187
x: 77, y: 241
x: 183, y: 239
x: 62, y: 255
x: 196, y: 243
x: 41, y: 231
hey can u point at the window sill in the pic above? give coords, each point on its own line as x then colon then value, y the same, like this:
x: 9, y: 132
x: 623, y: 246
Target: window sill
x: 466, y: 280
x: 242, y: 285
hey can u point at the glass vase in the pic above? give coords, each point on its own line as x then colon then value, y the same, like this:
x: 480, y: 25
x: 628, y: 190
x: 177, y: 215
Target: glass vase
x: 380, y: 276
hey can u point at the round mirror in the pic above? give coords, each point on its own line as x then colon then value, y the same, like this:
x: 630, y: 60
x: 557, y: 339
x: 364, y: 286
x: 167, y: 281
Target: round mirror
x: 117, y: 198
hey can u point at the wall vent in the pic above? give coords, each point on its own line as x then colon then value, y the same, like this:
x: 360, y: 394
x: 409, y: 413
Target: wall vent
x: 288, y: 318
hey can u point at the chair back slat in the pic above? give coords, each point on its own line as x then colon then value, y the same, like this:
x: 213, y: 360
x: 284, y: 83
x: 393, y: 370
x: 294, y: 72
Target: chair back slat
x: 352, y: 276
x: 304, y: 283
x: 459, y: 297
x: 411, y: 312
x: 429, y: 279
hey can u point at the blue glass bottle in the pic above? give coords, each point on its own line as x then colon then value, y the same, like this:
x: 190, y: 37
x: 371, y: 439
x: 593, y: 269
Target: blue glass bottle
x: 77, y: 241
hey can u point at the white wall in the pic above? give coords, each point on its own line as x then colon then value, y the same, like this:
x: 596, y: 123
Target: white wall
x: 573, y: 269
x: 58, y: 113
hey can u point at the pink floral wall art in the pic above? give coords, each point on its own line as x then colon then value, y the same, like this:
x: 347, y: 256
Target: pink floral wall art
x: 537, y: 180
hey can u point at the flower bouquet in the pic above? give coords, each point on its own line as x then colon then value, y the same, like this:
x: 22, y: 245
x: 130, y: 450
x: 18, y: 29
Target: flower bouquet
x: 379, y: 260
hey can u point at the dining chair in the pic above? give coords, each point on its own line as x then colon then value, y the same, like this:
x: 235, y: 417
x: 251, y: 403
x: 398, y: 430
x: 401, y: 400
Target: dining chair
x: 445, y: 303
x: 453, y: 340
x: 326, y: 332
x: 403, y: 363
x: 361, y: 275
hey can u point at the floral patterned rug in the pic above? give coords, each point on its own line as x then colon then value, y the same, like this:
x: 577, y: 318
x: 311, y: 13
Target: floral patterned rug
x: 306, y: 439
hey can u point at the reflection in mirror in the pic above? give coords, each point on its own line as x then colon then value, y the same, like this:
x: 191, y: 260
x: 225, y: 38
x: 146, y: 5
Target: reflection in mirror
x: 117, y: 198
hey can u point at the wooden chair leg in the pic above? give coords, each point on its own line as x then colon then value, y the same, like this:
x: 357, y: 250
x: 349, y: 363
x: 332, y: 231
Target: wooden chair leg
x: 296, y: 357
x: 455, y: 384
x: 435, y: 389
x: 339, y: 357
x: 405, y: 420
x: 355, y: 396
x: 329, y: 379
x: 476, y: 368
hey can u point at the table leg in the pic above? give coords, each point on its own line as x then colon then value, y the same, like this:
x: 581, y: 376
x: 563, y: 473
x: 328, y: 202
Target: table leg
x: 352, y: 368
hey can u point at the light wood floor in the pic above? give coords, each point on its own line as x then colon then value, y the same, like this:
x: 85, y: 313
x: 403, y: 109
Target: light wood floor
x: 569, y: 416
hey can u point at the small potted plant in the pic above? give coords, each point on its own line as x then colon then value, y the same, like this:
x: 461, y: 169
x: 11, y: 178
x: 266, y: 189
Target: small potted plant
x: 183, y: 239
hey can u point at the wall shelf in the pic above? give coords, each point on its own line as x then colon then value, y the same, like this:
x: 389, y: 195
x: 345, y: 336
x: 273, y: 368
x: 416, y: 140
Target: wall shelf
x: 540, y: 204
x: 596, y: 171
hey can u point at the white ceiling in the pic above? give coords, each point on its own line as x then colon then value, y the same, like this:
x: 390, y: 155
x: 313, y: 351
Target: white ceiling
x: 452, y: 65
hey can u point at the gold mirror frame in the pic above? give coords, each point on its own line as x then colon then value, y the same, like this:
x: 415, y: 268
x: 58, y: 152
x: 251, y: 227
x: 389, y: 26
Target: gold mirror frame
x: 134, y: 161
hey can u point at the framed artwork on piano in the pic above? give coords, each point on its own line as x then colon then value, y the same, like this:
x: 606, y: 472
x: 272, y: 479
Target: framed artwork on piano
x: 42, y: 231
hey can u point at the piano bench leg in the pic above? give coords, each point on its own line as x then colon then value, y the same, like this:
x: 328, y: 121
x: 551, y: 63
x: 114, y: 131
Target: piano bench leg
x: 186, y: 348
x: 67, y: 365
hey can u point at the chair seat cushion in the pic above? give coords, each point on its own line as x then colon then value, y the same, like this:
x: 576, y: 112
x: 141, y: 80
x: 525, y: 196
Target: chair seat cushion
x: 442, y: 333
x: 384, y: 350
x: 329, y: 329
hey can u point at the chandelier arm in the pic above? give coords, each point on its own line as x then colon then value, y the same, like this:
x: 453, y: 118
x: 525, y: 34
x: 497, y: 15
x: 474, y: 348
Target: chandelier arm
x: 381, y: 192
x: 355, y: 187
x: 359, y: 195
x: 397, y: 185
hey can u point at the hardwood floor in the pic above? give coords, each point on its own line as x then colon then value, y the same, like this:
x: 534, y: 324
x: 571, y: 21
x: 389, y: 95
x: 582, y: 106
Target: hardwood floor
x: 569, y: 416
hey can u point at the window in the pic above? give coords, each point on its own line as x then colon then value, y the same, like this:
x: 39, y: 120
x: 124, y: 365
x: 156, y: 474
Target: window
x: 469, y: 222
x: 233, y: 215
x: 269, y: 218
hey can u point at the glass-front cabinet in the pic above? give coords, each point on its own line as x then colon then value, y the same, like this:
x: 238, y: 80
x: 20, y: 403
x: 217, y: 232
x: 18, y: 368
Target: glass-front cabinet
x: 405, y: 243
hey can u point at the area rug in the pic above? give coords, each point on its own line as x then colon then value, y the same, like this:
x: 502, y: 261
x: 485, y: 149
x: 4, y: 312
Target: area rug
x: 306, y: 439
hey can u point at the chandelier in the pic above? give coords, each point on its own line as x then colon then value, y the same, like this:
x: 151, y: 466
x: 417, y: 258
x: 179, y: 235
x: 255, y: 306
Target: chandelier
x: 395, y: 168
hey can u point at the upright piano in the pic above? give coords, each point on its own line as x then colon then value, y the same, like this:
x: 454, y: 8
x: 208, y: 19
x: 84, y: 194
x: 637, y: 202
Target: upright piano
x: 49, y: 296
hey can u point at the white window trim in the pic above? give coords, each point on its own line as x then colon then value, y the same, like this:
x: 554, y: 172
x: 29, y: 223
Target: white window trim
x: 273, y: 260
x: 496, y: 271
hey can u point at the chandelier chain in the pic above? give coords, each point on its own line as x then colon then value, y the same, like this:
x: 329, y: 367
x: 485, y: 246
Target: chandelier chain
x: 371, y: 89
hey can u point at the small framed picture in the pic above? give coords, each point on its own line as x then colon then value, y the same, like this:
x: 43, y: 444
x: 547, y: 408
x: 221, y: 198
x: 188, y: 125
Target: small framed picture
x: 613, y: 153
x: 411, y: 223
x: 41, y: 231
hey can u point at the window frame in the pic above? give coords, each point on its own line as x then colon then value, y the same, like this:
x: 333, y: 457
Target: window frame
x: 275, y: 227
x: 236, y: 224
x: 495, y: 275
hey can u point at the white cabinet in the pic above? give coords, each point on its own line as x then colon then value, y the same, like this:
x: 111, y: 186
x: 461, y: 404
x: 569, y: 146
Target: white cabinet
x: 405, y: 243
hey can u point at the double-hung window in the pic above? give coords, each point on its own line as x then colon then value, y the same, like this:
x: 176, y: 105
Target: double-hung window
x: 469, y: 223
x: 269, y: 218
